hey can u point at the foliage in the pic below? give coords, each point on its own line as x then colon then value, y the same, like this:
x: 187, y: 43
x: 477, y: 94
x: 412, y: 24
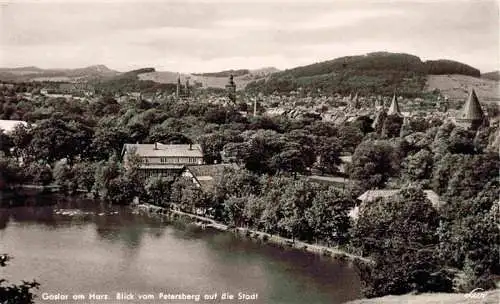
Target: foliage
x: 444, y: 67
x: 158, y: 191
x: 399, y: 233
x: 13, y: 293
x: 373, y: 163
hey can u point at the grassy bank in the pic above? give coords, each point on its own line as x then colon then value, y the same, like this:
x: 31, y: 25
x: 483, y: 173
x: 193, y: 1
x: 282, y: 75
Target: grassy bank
x: 487, y: 297
x: 205, y: 222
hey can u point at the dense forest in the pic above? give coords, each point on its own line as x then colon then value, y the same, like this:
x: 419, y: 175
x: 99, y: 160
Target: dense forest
x: 225, y: 74
x: 376, y: 73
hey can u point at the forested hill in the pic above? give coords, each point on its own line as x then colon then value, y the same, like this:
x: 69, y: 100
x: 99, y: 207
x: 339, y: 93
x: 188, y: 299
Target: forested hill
x: 225, y: 74
x: 379, y: 73
x: 129, y: 81
x: 495, y: 75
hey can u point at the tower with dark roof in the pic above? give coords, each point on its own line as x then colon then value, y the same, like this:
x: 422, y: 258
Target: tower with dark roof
x: 394, y: 108
x: 471, y: 116
x: 231, y: 89
x: 187, y: 92
x: 178, y: 88
x: 355, y: 102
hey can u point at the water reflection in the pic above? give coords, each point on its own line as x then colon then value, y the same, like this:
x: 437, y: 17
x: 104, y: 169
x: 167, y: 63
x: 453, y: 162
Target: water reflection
x: 109, y: 249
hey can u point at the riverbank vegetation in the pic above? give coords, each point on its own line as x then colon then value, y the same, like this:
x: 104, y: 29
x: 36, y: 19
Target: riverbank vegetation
x: 16, y: 293
x: 416, y: 247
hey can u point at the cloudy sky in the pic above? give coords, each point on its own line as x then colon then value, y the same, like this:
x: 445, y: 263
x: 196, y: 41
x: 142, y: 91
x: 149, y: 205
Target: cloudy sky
x: 203, y: 35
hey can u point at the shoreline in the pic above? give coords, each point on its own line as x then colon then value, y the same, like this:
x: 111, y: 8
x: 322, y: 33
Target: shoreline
x: 205, y: 222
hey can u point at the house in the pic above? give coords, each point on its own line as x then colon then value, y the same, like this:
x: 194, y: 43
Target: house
x: 372, y: 195
x: 9, y: 125
x: 204, y: 176
x: 163, y: 160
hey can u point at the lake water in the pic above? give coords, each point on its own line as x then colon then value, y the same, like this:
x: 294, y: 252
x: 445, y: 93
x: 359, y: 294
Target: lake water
x: 101, y: 252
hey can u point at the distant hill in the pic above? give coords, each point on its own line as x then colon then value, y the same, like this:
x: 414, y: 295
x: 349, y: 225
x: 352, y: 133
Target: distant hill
x: 225, y: 74
x: 211, y: 80
x: 447, y: 67
x: 374, y: 73
x: 68, y: 75
x: 495, y: 75
x: 131, y: 81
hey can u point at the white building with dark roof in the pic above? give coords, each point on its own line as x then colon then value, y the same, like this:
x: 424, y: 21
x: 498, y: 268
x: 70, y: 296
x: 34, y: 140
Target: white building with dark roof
x: 8, y: 126
x: 164, y: 160
x: 373, y: 195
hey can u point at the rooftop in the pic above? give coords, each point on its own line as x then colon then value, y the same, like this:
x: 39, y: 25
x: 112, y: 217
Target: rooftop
x: 8, y: 125
x: 161, y: 150
x: 472, y: 108
x: 372, y: 195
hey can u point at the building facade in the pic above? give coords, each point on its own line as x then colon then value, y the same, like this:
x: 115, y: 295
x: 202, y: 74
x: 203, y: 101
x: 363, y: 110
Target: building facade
x: 163, y: 160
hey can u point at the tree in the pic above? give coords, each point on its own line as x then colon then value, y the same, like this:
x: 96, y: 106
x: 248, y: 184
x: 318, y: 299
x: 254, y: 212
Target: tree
x: 470, y: 239
x: 328, y: 217
x: 158, y: 191
x: 85, y: 175
x: 65, y: 177
x: 10, y: 173
x: 16, y: 294
x: 108, y: 140
x: 328, y: 150
x: 297, y: 197
x: 392, y: 126
x: 373, y: 162
x: 399, y: 233
x: 461, y: 141
x: 418, y: 168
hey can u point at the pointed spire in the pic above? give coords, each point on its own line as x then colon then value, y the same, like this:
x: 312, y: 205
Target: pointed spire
x: 472, y: 109
x: 355, y: 103
x: 394, y: 108
x: 178, y: 88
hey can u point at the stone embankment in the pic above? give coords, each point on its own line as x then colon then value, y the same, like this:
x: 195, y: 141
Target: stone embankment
x: 205, y: 222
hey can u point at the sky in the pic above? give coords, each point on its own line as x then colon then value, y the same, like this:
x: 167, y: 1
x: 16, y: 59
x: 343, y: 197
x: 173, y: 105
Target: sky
x: 206, y: 36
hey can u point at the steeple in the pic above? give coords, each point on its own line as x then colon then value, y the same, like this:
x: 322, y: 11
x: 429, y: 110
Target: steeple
x: 187, y: 88
x: 178, y: 88
x: 394, y: 108
x: 471, y: 115
x: 231, y: 89
x: 355, y: 101
x: 472, y: 109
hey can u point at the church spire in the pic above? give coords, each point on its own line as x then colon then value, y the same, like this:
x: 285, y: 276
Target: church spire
x: 231, y: 89
x: 394, y: 108
x: 178, y: 88
x: 472, y: 109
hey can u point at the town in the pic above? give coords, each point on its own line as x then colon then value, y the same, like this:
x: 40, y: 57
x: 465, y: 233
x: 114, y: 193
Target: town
x: 366, y: 174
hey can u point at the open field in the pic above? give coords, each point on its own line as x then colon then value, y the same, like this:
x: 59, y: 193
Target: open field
x: 457, y: 87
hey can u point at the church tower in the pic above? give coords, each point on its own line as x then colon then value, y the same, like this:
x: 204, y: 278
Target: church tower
x: 178, y: 88
x: 471, y: 116
x: 394, y: 108
x: 187, y: 92
x: 231, y: 89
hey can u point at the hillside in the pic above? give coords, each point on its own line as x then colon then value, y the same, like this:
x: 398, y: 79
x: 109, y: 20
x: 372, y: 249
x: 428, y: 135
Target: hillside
x: 32, y: 73
x: 131, y: 81
x: 456, y: 87
x: 379, y: 73
x: 210, y: 80
x: 495, y: 75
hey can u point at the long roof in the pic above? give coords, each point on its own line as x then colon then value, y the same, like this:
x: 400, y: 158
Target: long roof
x: 8, y: 125
x: 161, y: 150
x: 472, y: 108
x: 372, y: 195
